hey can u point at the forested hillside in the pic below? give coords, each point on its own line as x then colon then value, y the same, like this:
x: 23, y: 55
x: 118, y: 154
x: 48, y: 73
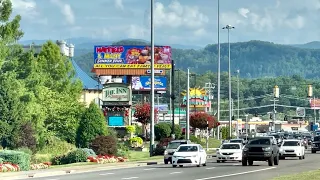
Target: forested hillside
x: 254, y: 59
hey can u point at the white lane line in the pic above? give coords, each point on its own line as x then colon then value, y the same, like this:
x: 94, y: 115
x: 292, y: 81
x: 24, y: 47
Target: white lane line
x: 105, y: 174
x: 149, y: 169
x: 176, y: 172
x: 131, y: 178
x: 236, y: 164
x: 211, y: 168
x: 236, y: 174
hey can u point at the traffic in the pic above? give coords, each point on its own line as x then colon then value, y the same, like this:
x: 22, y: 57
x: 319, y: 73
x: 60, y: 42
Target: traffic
x: 268, y: 147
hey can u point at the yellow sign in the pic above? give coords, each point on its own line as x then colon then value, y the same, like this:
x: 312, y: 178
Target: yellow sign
x: 131, y: 66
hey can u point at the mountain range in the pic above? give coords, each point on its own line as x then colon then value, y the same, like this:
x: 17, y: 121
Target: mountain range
x: 254, y: 58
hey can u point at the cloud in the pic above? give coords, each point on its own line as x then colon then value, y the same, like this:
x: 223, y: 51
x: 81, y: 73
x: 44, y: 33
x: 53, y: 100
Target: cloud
x: 176, y: 15
x: 66, y: 10
x: 26, y: 8
x: 136, y: 32
x: 243, y: 12
x: 119, y: 4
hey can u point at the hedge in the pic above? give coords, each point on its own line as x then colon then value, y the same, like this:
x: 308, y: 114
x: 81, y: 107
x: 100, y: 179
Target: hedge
x: 16, y: 157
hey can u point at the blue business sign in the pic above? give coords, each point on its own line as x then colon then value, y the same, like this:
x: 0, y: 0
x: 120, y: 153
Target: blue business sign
x: 143, y: 83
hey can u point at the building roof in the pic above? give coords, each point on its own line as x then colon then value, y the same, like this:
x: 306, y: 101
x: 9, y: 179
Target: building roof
x: 87, y: 81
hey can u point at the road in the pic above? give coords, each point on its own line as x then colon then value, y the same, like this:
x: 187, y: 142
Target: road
x: 213, y: 170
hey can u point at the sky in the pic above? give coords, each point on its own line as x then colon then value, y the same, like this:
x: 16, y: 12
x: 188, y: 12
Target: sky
x: 176, y: 21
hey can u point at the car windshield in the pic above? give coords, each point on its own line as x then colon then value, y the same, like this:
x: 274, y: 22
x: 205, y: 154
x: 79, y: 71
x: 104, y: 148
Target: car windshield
x: 230, y: 146
x: 317, y: 138
x: 276, y: 136
x: 188, y: 149
x: 264, y: 141
x: 175, y: 145
x: 236, y: 141
x: 290, y: 143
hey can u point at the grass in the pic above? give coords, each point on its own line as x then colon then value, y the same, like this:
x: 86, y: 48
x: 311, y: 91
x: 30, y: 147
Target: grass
x: 213, y: 143
x: 311, y: 175
x: 140, y: 156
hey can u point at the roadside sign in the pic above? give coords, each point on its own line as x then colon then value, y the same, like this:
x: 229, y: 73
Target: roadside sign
x: 301, y: 112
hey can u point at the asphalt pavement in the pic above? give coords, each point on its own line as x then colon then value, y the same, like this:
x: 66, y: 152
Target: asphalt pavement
x: 213, y: 170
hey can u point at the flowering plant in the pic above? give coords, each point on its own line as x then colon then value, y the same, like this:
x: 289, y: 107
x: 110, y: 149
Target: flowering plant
x: 9, y: 167
x: 106, y: 159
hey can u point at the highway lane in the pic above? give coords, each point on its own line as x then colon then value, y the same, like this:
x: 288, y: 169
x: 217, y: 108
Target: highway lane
x: 213, y: 170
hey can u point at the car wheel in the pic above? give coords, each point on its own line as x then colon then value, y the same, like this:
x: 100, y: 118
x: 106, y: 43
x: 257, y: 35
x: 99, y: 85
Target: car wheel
x: 244, y: 162
x: 300, y: 157
x: 270, y: 161
x: 199, y: 163
x: 166, y: 161
x: 205, y: 164
x: 180, y: 165
x: 218, y: 161
x: 313, y: 151
x: 276, y: 160
x: 174, y: 166
x: 250, y: 162
x: 303, y: 156
x: 281, y: 157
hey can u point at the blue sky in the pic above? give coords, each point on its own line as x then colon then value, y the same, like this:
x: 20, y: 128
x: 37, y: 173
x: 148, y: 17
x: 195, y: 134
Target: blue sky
x: 176, y: 21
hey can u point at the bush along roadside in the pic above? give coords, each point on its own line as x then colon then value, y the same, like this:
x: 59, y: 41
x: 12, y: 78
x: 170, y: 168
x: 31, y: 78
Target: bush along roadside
x: 106, y: 159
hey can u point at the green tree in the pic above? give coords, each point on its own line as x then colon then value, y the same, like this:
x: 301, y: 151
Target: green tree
x: 162, y: 130
x: 92, y: 124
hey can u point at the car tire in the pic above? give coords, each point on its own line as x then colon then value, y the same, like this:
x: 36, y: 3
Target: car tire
x: 180, y: 165
x: 270, y: 160
x: 244, y: 162
x: 218, y: 161
x: 166, y: 161
x: 174, y: 166
x: 282, y: 158
x: 250, y: 162
x: 303, y: 157
x: 313, y: 151
x: 300, y: 157
x: 205, y: 164
x: 276, y: 160
x: 199, y: 163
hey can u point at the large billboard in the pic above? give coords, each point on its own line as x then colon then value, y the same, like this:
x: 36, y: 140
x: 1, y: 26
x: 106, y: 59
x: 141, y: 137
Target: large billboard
x: 143, y: 83
x: 131, y: 57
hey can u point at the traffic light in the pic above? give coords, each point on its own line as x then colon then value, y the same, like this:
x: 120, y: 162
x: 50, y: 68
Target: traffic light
x: 271, y: 116
x: 285, y: 118
x: 310, y: 91
x: 311, y: 126
x: 276, y: 91
x: 232, y: 117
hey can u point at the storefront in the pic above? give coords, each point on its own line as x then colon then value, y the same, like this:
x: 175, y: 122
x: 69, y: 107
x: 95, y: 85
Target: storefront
x: 116, y: 106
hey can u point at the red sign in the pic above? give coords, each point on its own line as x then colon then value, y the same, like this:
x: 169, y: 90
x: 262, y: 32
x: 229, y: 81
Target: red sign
x: 314, y: 103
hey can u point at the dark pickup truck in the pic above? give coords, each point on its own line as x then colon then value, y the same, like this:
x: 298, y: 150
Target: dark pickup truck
x: 316, y: 144
x: 261, y: 149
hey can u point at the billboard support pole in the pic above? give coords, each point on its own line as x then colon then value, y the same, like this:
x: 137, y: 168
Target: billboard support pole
x: 152, y: 82
x: 172, y: 99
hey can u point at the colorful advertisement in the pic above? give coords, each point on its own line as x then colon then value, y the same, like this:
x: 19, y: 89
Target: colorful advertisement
x: 143, y: 83
x: 131, y: 57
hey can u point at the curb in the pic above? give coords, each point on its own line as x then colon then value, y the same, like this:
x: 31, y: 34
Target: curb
x: 75, y: 170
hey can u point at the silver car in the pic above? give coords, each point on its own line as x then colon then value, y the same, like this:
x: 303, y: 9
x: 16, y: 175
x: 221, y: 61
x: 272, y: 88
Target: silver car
x: 171, y: 148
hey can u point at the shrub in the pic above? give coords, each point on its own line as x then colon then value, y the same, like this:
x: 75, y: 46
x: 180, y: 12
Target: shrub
x: 27, y: 137
x: 92, y: 124
x: 131, y: 129
x: 139, y: 130
x: 123, y: 149
x: 104, y: 145
x: 177, y: 131
x: 76, y: 156
x: 112, y: 132
x: 59, y: 160
x: 16, y: 157
x: 25, y: 150
x: 162, y: 130
x: 56, y: 146
x: 159, y: 150
x: 89, y: 152
x: 136, y: 142
x: 194, y: 139
x: 1, y: 161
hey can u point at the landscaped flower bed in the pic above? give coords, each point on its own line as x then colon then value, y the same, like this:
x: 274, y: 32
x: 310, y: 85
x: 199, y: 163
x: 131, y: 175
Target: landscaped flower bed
x: 45, y: 165
x: 8, y: 167
x: 106, y: 159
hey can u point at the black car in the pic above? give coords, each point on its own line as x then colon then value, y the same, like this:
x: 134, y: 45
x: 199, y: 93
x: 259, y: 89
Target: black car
x: 261, y: 149
x: 316, y: 144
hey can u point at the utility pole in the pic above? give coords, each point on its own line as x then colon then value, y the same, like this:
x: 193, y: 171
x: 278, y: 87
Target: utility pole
x: 238, y: 92
x: 188, y: 106
x: 173, y: 97
x: 218, y: 74
x: 246, y: 127
x: 275, y: 97
x: 228, y: 27
x: 152, y: 81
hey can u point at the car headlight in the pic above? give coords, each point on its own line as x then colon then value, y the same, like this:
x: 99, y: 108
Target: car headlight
x: 165, y: 152
x: 245, y: 149
x: 266, y: 149
x: 281, y: 150
x: 175, y: 156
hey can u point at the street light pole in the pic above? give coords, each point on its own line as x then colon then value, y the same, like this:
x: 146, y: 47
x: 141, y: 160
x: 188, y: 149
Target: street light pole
x: 152, y: 81
x: 173, y: 97
x: 188, y: 106
x: 228, y: 27
x: 238, y: 93
x: 246, y: 127
x: 218, y: 74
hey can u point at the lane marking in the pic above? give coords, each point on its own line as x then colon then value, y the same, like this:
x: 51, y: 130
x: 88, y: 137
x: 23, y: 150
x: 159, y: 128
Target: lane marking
x: 105, y: 174
x: 236, y: 174
x: 236, y: 164
x: 176, y: 172
x: 211, y: 168
x: 131, y: 178
x: 149, y: 169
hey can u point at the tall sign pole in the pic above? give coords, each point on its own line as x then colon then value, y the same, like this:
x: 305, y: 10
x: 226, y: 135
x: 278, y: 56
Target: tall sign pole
x: 218, y: 74
x: 188, y: 106
x: 152, y: 82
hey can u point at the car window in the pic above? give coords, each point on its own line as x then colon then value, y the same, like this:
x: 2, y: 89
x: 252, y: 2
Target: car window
x: 317, y: 138
x: 264, y: 141
x: 291, y: 143
x: 230, y: 146
x: 236, y: 141
x: 187, y: 149
x: 175, y: 145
